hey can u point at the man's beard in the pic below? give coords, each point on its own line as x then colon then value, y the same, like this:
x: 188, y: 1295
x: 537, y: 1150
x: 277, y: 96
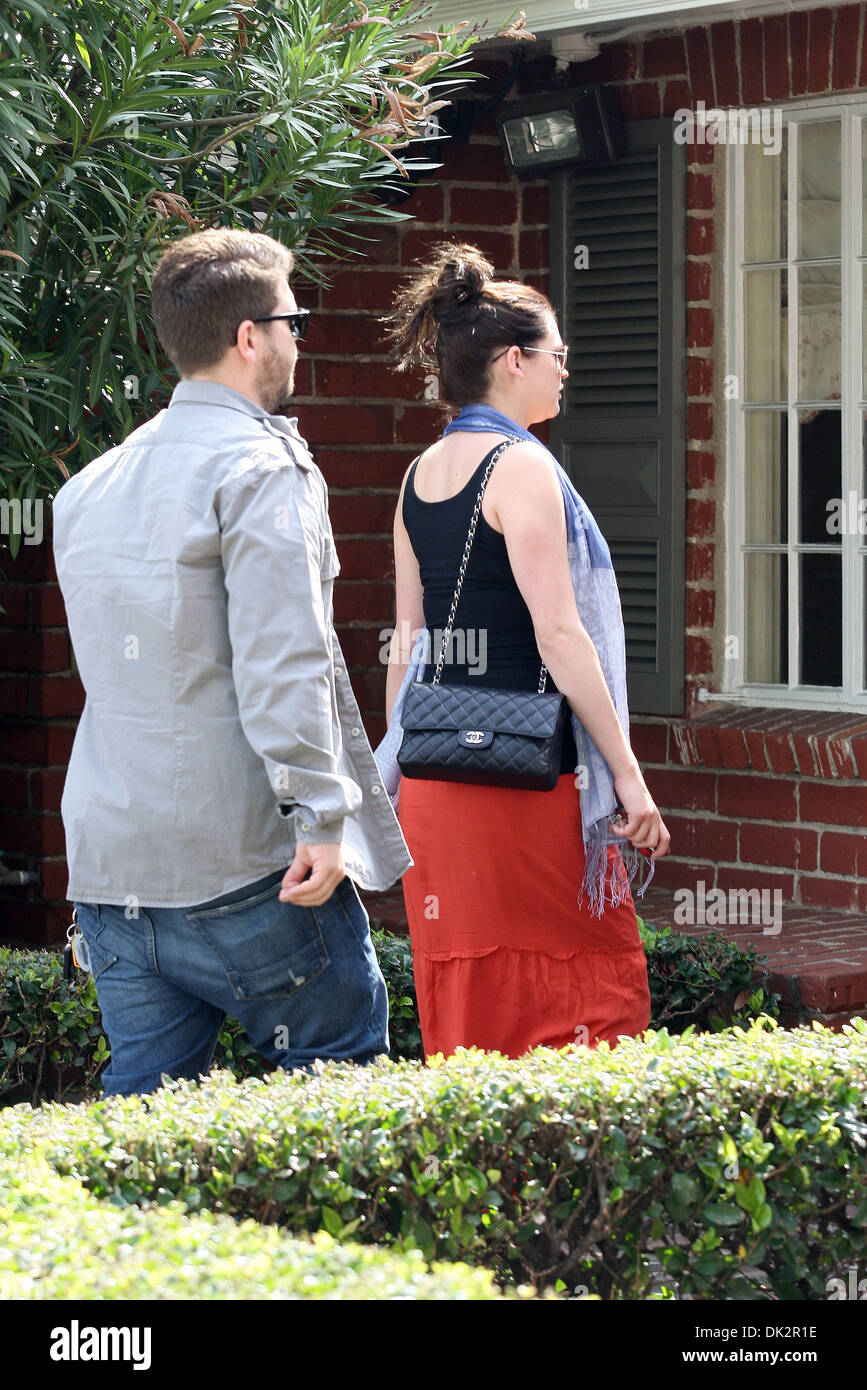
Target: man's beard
x: 274, y: 389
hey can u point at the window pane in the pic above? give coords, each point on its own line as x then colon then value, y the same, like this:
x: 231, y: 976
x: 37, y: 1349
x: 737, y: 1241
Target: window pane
x: 864, y: 187
x: 765, y: 202
x: 819, y: 189
x: 861, y: 522
x: 821, y: 475
x: 821, y: 620
x: 819, y: 333
x: 864, y: 329
x: 766, y: 476
x: 766, y: 609
x: 765, y: 306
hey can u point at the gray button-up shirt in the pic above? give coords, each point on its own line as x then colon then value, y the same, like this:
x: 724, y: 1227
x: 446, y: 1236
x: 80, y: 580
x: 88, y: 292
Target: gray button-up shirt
x: 196, y: 561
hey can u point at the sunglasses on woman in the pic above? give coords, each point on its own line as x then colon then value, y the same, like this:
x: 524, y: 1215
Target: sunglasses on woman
x: 297, y: 320
x: 560, y: 353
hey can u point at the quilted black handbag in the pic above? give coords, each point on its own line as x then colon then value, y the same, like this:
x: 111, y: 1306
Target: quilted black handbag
x: 457, y: 733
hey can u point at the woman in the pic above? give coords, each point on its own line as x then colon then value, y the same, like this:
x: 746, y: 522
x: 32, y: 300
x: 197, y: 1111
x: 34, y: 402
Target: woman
x: 522, y: 934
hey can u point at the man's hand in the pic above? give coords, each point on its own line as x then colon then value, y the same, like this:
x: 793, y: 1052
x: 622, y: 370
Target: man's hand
x: 326, y: 861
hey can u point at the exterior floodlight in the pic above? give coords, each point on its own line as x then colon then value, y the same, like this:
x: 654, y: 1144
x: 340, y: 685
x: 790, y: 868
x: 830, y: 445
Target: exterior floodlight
x: 579, y: 126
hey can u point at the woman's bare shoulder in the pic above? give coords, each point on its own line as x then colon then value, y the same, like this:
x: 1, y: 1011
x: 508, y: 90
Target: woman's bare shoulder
x: 526, y: 466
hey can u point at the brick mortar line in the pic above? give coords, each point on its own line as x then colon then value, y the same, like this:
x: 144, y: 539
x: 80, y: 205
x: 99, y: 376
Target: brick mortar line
x: 786, y: 778
x: 364, y: 448
x: 831, y: 51
x: 779, y: 870
x: 722, y: 818
x: 811, y: 778
x: 750, y: 772
x: 38, y: 721
x: 38, y: 629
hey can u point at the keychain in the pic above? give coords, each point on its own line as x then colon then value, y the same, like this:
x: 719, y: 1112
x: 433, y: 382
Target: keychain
x: 76, y: 952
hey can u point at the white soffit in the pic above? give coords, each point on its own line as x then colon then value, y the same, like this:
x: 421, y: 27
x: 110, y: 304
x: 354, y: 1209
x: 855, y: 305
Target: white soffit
x: 608, y: 20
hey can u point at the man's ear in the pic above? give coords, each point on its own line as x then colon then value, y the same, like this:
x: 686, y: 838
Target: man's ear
x: 245, y: 340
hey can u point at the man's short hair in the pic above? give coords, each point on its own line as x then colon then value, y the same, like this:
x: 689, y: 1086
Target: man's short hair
x: 206, y: 284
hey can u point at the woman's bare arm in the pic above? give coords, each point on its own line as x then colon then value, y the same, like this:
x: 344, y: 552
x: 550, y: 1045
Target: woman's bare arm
x: 409, y: 615
x: 528, y: 502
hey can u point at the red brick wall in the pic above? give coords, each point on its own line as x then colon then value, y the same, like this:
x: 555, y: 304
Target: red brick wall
x: 733, y: 813
x: 763, y: 799
x: 40, y: 699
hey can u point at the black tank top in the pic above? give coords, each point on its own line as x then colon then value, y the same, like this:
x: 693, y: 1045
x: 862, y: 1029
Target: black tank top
x: 493, y: 643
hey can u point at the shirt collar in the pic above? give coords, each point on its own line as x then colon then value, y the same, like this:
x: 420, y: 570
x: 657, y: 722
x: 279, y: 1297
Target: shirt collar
x: 215, y: 393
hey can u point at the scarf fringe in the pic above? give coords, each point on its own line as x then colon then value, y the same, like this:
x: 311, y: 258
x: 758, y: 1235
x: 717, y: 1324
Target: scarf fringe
x: 607, y: 881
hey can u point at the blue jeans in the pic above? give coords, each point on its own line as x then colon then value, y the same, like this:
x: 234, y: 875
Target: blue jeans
x: 303, y: 981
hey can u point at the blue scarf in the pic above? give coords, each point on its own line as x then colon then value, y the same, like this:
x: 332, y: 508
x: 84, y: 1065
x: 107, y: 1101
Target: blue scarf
x: 598, y: 602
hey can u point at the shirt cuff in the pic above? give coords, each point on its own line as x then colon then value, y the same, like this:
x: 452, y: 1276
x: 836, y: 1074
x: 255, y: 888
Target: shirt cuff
x: 307, y: 831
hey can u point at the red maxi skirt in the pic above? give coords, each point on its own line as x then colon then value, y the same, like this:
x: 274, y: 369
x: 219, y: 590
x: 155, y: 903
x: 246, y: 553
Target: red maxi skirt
x: 503, y: 956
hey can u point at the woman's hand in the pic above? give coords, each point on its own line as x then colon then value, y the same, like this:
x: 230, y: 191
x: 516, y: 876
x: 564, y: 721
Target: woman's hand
x: 643, y: 826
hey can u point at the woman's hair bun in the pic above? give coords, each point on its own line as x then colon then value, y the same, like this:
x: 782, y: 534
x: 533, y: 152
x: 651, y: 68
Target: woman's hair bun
x: 453, y: 315
x: 462, y: 275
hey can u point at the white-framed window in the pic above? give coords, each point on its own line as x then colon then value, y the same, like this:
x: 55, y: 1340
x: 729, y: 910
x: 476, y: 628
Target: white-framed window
x: 796, y: 528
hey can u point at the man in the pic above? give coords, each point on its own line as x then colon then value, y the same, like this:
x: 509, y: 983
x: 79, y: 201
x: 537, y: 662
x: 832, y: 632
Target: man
x: 220, y: 739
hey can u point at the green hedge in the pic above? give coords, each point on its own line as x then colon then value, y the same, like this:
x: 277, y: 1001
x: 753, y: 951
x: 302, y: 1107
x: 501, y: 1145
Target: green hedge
x: 51, y: 1040
x: 59, y: 1242
x: 714, y: 1155
x: 706, y: 982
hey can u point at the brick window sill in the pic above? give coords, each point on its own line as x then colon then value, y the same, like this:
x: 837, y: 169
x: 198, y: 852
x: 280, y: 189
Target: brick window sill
x: 810, y: 743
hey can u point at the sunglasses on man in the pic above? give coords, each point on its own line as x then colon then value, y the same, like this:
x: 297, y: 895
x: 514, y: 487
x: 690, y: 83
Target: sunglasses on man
x: 297, y: 320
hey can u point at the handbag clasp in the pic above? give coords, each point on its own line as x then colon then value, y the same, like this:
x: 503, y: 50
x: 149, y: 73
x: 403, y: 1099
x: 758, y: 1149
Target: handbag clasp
x: 476, y: 738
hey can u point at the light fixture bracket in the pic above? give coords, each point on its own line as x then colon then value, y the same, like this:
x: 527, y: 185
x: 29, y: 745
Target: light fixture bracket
x: 573, y: 48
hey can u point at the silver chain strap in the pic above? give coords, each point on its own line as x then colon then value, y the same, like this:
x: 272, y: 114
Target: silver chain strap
x: 543, y: 675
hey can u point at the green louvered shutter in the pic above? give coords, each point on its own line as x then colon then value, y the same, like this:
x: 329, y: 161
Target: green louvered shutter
x: 621, y: 431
